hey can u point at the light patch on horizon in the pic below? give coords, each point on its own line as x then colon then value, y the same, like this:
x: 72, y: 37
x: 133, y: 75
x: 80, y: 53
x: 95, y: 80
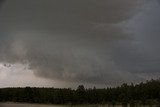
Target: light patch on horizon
x: 18, y: 75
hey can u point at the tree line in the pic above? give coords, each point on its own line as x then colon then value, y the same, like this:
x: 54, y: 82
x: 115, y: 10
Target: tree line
x: 142, y: 93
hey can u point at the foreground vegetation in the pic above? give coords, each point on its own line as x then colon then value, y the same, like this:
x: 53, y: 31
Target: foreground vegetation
x: 143, y: 93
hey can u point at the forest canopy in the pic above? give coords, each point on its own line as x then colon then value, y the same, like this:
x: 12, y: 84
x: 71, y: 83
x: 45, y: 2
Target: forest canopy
x: 142, y: 93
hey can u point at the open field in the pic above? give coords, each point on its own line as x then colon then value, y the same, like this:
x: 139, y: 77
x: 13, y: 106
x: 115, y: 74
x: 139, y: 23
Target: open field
x: 43, y: 105
x: 26, y: 105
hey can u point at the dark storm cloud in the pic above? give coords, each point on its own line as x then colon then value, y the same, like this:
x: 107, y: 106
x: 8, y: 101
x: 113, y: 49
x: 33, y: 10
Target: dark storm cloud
x: 73, y: 40
x: 1, y: 1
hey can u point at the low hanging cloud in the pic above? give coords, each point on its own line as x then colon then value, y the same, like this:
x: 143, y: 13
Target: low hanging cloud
x: 85, y: 41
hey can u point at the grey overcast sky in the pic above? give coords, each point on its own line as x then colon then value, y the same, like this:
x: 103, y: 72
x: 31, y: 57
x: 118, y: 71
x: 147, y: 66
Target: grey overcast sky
x: 63, y: 43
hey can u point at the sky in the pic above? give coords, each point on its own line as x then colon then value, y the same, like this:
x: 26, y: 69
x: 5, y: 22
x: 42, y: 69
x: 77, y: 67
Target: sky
x: 65, y: 43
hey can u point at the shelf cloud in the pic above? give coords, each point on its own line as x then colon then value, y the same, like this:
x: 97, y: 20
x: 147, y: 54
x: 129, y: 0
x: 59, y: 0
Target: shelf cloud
x: 84, y: 41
